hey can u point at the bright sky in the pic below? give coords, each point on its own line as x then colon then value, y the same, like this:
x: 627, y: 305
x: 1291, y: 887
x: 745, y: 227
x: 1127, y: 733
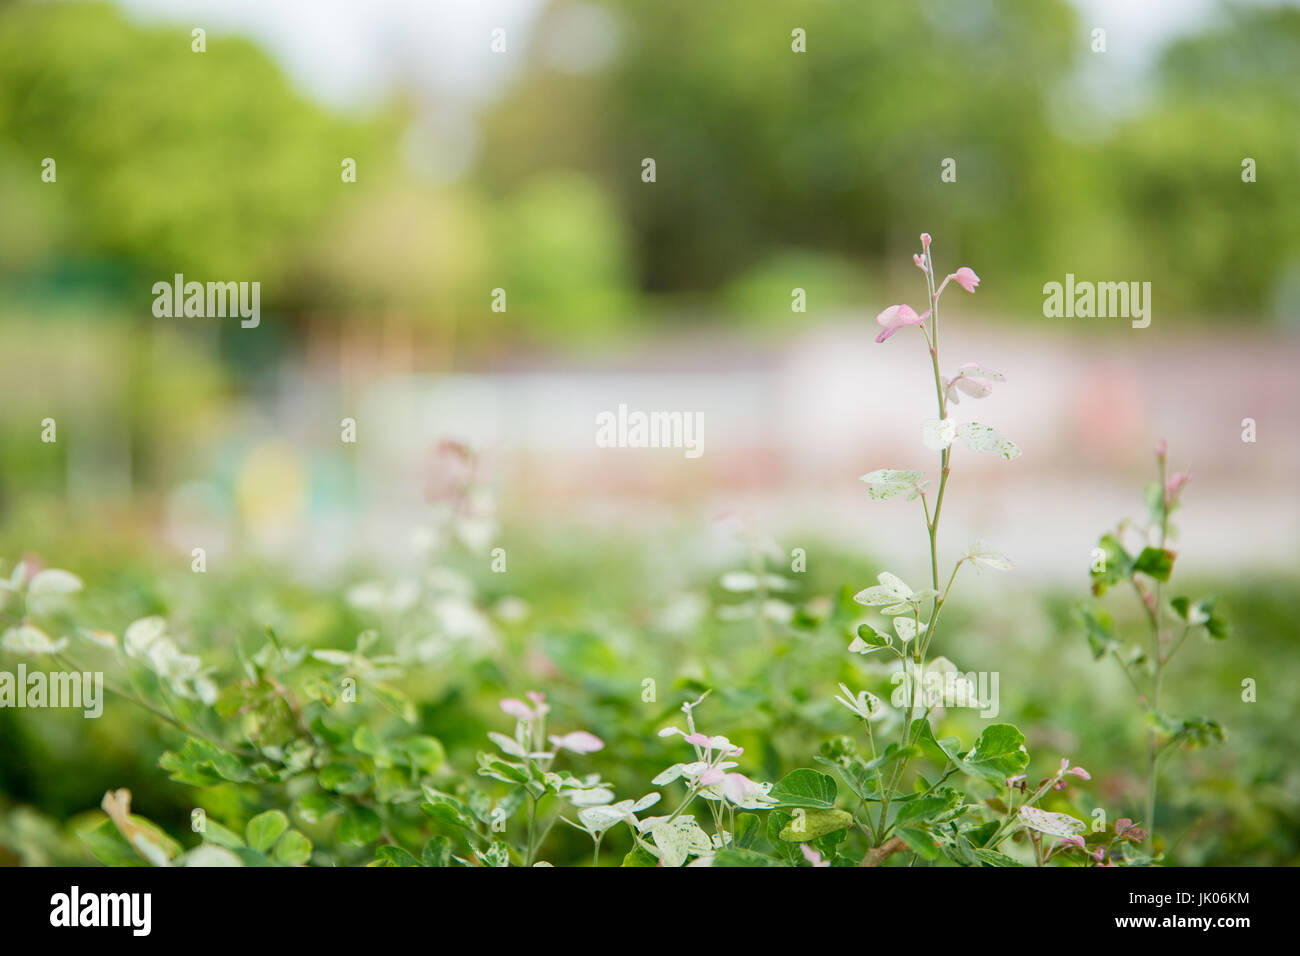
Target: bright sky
x: 350, y: 52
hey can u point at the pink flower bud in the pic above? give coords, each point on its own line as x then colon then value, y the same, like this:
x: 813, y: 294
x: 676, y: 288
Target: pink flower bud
x: 966, y: 278
x: 925, y: 241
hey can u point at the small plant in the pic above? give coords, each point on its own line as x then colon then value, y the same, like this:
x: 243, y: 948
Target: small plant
x: 1137, y: 555
x: 898, y: 809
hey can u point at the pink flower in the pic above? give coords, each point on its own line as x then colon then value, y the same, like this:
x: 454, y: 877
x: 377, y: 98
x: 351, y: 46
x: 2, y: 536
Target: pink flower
x: 711, y: 776
x: 966, y: 278
x: 517, y: 709
x: 1073, y: 841
x: 812, y: 856
x: 1175, y: 484
x: 1077, y: 771
x: 738, y: 788
x: 897, y: 316
x: 700, y: 740
x: 579, y: 741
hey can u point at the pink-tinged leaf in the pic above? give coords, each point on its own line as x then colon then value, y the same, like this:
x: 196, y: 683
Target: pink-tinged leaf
x: 517, y: 709
x: 579, y: 742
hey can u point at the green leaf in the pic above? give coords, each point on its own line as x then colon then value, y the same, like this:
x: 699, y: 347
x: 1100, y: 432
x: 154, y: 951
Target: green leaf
x: 872, y: 637
x: 497, y: 854
x: 447, y: 809
x: 639, y: 857
x: 919, y: 842
x: 1117, y: 565
x: 1099, y: 628
x: 395, y: 856
x: 214, y: 832
x: 734, y: 856
x: 201, y: 764
x: 343, y: 778
x: 927, y: 808
x: 437, y: 852
x: 294, y: 849
x: 425, y: 753
x: 940, y: 751
x: 748, y: 828
x: 1157, y: 563
x: 813, y: 824
x: 806, y: 788
x: 366, y: 741
x: 1201, y: 614
x: 109, y: 847
x: 994, y: 858
x: 997, y: 754
x: 310, y: 808
x: 264, y: 829
x: 359, y: 826
x: 1192, y: 732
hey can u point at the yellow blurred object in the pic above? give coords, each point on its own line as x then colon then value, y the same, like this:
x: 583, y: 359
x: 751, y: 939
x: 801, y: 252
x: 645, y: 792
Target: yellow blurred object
x: 270, y: 491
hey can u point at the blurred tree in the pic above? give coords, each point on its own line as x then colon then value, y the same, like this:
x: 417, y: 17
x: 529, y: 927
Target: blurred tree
x: 168, y: 160
x: 838, y: 150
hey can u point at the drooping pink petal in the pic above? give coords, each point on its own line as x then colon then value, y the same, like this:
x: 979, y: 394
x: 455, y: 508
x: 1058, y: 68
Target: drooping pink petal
x: 966, y: 278
x: 812, y: 856
x: 700, y: 740
x: 711, y: 776
x: 1080, y: 773
x: 517, y: 709
x: 895, y: 315
x: 973, y: 387
x: 579, y: 741
x: 738, y: 788
x: 535, y: 696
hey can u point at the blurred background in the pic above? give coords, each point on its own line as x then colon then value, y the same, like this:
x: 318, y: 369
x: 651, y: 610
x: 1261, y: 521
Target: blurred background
x: 500, y: 146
